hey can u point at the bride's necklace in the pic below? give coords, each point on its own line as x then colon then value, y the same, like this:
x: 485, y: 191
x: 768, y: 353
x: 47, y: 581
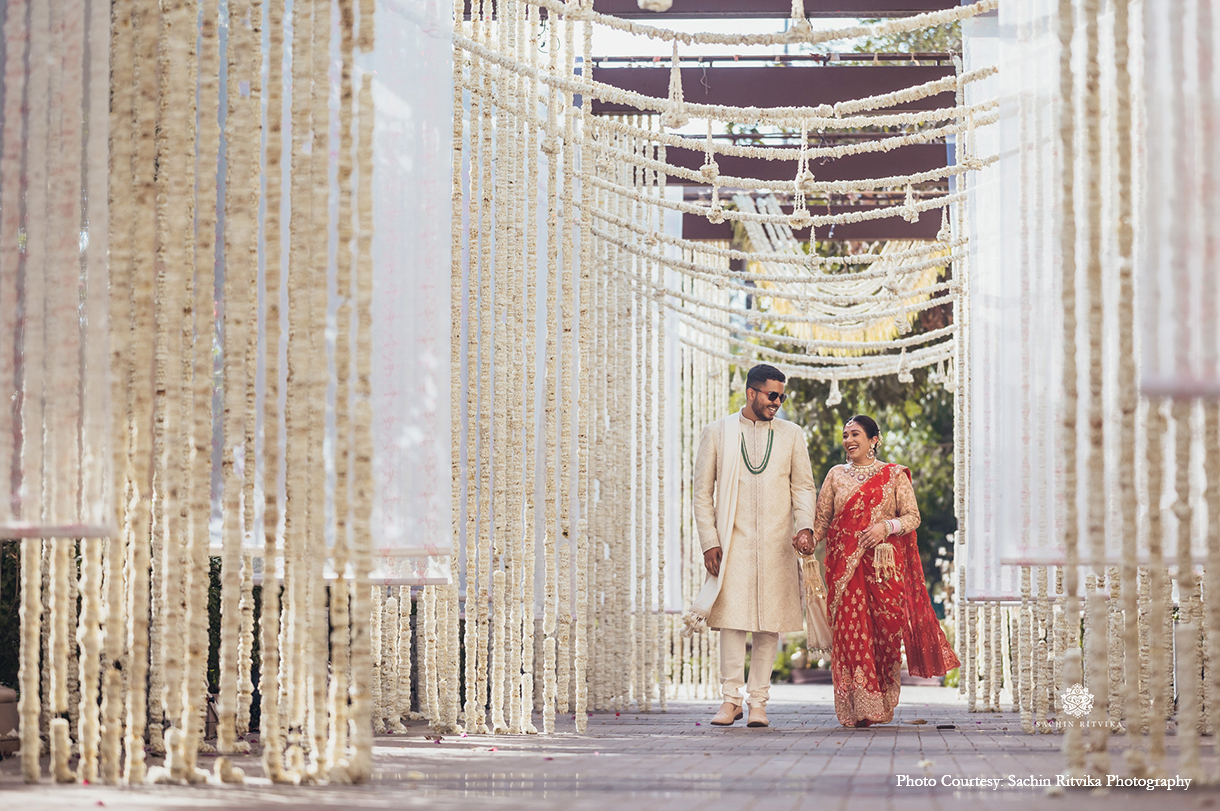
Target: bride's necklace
x: 861, y: 473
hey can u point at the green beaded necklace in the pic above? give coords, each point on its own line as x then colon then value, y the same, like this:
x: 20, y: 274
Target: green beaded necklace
x: 767, y: 458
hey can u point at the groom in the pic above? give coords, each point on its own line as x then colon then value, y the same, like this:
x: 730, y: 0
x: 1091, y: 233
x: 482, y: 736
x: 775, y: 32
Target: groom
x: 752, y: 479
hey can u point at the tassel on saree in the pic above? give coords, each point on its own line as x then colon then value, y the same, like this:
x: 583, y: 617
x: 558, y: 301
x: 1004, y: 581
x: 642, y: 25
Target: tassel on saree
x: 883, y: 562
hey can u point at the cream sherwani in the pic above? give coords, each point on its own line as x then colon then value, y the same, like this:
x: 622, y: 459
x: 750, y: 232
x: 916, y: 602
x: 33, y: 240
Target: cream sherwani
x: 760, y: 586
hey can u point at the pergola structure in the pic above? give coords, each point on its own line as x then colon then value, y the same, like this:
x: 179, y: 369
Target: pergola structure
x: 388, y: 360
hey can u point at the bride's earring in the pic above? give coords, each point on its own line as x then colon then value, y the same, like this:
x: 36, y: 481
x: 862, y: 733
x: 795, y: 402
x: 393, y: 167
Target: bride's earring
x: 872, y: 452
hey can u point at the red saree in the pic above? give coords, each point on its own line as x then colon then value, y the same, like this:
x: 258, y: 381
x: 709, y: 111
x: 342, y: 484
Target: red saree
x: 872, y: 618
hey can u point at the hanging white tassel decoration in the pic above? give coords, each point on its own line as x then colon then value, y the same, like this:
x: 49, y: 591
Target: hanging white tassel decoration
x: 835, y: 396
x: 675, y: 116
x: 945, y: 234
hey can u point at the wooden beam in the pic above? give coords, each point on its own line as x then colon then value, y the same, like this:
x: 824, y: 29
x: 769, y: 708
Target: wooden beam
x: 777, y: 86
x: 695, y: 226
x: 906, y: 160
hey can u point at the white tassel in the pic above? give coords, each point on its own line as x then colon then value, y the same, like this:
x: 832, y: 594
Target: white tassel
x: 836, y: 396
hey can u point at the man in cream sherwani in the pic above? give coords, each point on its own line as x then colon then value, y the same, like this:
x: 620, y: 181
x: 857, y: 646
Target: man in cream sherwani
x: 759, y: 586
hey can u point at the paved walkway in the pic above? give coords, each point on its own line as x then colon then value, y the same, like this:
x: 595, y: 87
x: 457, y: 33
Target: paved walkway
x: 676, y: 761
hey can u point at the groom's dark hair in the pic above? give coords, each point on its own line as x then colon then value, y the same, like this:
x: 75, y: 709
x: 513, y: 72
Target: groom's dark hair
x: 761, y: 373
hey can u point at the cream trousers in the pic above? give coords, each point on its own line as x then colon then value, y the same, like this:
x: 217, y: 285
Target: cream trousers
x: 733, y: 665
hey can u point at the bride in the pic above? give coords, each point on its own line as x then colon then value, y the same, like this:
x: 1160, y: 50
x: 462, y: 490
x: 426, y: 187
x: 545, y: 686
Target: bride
x: 877, y: 596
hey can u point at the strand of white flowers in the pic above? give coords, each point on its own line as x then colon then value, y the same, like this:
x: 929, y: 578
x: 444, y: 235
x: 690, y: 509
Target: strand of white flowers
x: 377, y: 635
x: 270, y: 660
x: 550, y: 147
x: 251, y: 24
x: 651, y: 438
x: 883, y: 143
x: 810, y: 187
x: 122, y: 291
x: 1141, y: 713
x: 1095, y: 505
x: 501, y: 285
x: 753, y: 316
x: 721, y: 277
x: 819, y: 220
x: 296, y: 412
x: 813, y: 116
x: 1073, y: 744
x: 432, y: 681
x: 1211, y: 497
x: 16, y: 33
x: 175, y: 247
x: 1099, y: 758
x: 245, y: 695
x: 451, y: 695
x: 405, y: 658
x: 813, y: 274
x: 663, y: 677
x: 338, y: 708
x: 487, y: 302
x: 458, y: 325
x: 474, y: 359
x: 28, y: 704
x: 802, y: 34
x: 1041, y: 653
x: 1059, y: 642
x: 34, y: 377
x: 594, y: 638
x: 1128, y: 400
x: 63, y: 405
x: 1025, y: 670
x: 238, y: 278
x: 711, y: 327
x: 144, y: 114
x: 1186, y: 631
x: 1210, y: 429
x: 1114, y: 658
x: 317, y: 386
x: 518, y: 477
x: 583, y: 364
x: 689, y: 573
x: 203, y: 338
x: 639, y: 487
x: 798, y: 357
x: 644, y: 462
x: 623, y: 451
x: 531, y: 272
x: 1157, y: 679
x: 390, y: 676
x: 735, y: 281
x: 995, y: 654
x: 984, y: 652
x: 361, y: 767
x: 871, y: 367
x: 569, y: 359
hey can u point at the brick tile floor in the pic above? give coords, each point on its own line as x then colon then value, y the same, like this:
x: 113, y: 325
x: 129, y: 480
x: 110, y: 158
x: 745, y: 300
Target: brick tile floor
x: 676, y: 761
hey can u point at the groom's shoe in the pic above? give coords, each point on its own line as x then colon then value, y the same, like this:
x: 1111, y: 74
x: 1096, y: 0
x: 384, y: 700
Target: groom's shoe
x: 729, y: 712
x: 758, y: 717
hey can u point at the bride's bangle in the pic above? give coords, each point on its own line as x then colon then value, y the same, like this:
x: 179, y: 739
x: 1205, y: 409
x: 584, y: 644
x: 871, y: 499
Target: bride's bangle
x: 893, y: 525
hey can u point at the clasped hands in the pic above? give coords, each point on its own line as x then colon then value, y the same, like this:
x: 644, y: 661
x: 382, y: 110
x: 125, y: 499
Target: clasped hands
x: 803, y: 542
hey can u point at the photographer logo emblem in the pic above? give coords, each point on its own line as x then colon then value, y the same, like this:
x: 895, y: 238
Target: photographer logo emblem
x: 1077, y: 701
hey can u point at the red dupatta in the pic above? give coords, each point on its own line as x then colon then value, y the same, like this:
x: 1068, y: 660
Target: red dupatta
x: 927, y: 650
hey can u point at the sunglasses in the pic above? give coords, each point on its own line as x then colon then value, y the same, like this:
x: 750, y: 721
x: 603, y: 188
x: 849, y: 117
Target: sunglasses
x: 771, y: 395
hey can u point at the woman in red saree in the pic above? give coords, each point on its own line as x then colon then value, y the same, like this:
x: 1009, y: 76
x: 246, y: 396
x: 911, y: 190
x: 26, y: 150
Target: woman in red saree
x: 876, y: 594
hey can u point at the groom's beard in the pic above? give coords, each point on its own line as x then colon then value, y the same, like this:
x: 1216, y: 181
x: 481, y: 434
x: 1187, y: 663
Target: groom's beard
x: 760, y: 408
